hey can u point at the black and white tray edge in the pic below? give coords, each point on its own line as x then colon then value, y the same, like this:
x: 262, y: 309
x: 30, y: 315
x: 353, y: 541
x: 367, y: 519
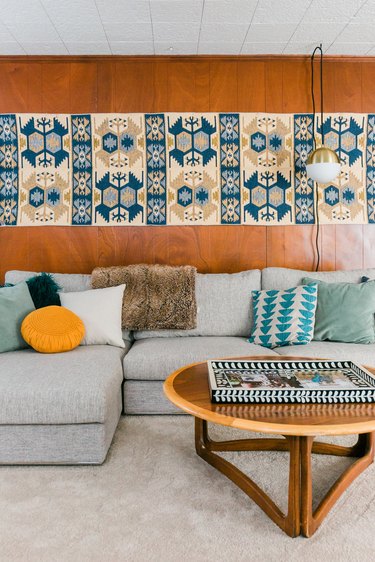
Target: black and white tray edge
x: 284, y: 396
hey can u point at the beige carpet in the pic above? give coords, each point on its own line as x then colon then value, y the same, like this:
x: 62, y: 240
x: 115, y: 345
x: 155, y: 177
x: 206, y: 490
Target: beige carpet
x: 155, y: 500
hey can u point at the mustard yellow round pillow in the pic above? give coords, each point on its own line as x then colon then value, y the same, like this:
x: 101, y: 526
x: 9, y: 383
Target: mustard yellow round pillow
x: 52, y: 329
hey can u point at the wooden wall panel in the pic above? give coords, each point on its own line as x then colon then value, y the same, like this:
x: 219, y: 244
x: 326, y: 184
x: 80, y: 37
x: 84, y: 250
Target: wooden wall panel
x: 274, y: 86
x: 83, y: 86
x: 367, y: 89
x: 134, y: 86
x: 251, y: 86
x: 190, y: 245
x: 106, y: 72
x: 142, y: 84
x: 188, y: 87
x: 223, y: 86
x: 15, y: 94
x: 296, y: 86
x: 161, y: 86
x: 56, y: 87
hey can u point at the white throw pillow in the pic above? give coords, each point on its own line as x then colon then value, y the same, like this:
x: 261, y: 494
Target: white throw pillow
x: 100, y: 310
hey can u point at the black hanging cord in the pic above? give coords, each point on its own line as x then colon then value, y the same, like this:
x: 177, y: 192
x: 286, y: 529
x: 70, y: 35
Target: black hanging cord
x: 317, y: 49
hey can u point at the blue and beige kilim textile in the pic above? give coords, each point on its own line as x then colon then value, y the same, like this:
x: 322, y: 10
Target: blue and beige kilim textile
x: 284, y: 317
x: 181, y: 169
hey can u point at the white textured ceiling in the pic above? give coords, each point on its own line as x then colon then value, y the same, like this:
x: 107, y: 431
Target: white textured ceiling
x: 147, y: 27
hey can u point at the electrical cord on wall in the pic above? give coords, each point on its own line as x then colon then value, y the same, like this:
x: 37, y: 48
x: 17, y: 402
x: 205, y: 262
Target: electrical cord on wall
x: 318, y: 48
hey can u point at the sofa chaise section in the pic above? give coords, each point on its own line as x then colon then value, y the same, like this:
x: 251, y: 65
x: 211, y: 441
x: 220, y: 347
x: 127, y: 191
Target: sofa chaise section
x: 61, y: 408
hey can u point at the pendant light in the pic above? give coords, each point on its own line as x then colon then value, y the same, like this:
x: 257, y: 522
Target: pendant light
x: 323, y: 164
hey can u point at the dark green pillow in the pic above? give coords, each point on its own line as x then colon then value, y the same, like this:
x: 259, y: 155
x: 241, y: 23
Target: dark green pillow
x: 345, y: 311
x: 43, y: 290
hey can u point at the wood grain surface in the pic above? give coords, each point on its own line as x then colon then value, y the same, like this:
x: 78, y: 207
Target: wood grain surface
x: 142, y: 84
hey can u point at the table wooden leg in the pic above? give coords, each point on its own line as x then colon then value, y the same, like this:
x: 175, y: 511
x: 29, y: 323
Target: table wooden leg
x: 306, y: 486
x: 300, y: 517
x: 290, y: 523
x: 311, y: 520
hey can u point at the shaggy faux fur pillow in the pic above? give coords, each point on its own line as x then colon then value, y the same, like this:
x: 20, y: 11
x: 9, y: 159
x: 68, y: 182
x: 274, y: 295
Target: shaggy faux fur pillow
x: 157, y: 297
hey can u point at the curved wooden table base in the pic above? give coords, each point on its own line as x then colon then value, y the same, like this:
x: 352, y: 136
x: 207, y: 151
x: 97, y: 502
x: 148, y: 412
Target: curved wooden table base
x: 300, y: 519
x: 300, y: 424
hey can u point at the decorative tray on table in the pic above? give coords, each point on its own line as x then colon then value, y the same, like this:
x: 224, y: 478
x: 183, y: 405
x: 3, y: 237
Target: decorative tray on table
x: 272, y: 382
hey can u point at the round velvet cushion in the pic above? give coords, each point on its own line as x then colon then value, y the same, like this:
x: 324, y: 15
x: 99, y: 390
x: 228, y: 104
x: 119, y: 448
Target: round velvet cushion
x: 52, y: 329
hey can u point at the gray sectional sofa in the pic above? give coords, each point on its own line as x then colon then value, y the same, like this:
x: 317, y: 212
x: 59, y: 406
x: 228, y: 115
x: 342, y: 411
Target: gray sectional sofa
x: 64, y: 408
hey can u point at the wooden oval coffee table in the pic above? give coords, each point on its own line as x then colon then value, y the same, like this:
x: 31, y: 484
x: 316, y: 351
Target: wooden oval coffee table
x: 299, y: 424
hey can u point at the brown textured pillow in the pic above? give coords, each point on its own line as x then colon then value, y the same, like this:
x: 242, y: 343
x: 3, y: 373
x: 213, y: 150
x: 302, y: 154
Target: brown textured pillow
x: 157, y: 297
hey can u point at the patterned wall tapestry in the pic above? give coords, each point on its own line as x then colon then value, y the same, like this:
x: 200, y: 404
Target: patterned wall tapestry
x: 181, y: 169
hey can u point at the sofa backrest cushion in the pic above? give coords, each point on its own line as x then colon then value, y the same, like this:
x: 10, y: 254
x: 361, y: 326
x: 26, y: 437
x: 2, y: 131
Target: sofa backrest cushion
x: 69, y: 282
x: 284, y: 278
x: 224, y: 306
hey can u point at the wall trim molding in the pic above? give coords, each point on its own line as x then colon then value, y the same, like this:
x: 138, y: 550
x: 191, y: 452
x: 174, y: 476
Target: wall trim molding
x: 178, y: 58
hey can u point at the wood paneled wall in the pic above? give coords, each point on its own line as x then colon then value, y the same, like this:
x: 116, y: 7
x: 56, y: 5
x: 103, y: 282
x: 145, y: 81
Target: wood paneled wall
x: 147, y: 84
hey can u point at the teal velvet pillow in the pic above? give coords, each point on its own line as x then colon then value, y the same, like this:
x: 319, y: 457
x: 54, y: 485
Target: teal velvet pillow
x: 345, y: 312
x: 43, y: 290
x: 15, y: 304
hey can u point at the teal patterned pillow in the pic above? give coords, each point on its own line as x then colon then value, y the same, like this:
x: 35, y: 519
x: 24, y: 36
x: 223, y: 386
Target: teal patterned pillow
x: 284, y: 317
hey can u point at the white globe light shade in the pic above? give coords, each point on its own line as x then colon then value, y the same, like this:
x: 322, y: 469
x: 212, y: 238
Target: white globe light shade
x: 324, y: 172
x: 323, y: 165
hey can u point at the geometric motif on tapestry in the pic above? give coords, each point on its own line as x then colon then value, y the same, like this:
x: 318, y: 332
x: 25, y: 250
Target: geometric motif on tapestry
x: 303, y: 186
x: 230, y: 168
x: 267, y: 163
x: 8, y: 170
x: 82, y: 169
x: 343, y: 200
x: 119, y: 180
x: 156, y: 169
x: 370, y: 168
x: 45, y: 170
x: 193, y: 183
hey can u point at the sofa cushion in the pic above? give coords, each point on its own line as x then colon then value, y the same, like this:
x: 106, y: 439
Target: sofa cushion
x: 359, y: 353
x: 68, y: 281
x: 79, y: 386
x: 223, y: 306
x: 345, y: 311
x: 156, y: 358
x: 283, y: 278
